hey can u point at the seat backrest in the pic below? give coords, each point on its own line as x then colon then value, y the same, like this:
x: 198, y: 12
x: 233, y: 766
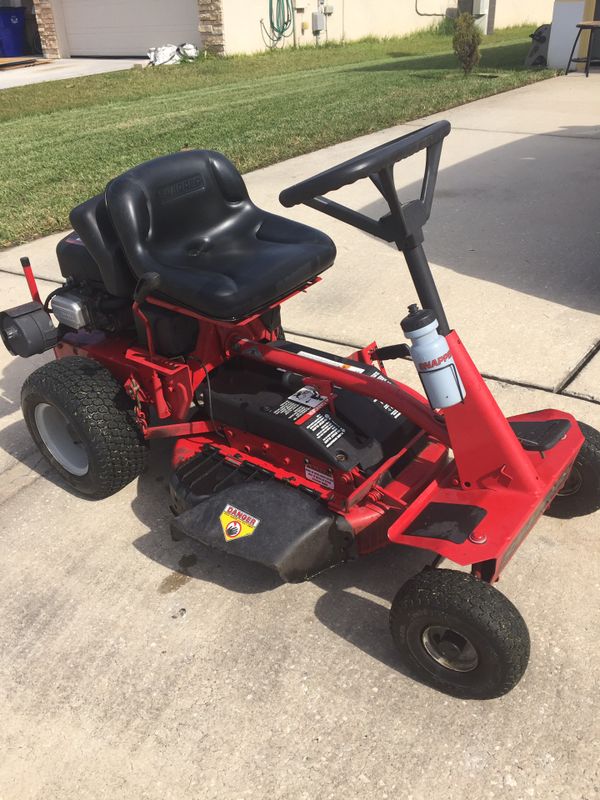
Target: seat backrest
x: 92, y: 223
x: 169, y: 210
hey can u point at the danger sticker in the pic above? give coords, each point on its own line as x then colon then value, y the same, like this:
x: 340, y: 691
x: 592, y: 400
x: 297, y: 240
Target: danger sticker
x: 237, y: 524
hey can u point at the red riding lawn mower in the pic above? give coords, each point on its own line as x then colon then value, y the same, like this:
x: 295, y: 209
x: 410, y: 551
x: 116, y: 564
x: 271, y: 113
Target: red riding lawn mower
x: 169, y: 326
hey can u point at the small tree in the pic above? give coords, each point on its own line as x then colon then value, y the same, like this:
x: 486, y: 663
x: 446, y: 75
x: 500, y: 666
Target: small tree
x: 466, y: 41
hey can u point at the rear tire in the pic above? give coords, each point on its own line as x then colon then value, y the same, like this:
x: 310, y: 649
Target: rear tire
x: 83, y: 423
x: 459, y: 634
x: 581, y: 493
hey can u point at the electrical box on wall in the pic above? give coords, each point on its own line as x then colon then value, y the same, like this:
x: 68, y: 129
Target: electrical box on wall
x: 479, y: 9
x: 318, y: 22
x: 328, y: 10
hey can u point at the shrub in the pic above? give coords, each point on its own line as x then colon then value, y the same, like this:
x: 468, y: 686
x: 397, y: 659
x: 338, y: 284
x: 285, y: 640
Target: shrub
x: 466, y: 41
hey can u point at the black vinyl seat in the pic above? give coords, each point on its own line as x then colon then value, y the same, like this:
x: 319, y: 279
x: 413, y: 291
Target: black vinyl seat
x: 95, y: 230
x: 188, y: 217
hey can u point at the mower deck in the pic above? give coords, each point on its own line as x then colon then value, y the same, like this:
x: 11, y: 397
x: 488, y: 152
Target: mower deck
x: 422, y: 506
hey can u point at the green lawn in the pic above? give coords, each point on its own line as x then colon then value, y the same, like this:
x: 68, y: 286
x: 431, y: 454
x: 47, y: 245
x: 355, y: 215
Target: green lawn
x: 62, y: 141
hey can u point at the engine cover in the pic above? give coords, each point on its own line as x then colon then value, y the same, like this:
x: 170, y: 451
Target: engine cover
x: 83, y: 306
x: 360, y: 432
x: 70, y: 309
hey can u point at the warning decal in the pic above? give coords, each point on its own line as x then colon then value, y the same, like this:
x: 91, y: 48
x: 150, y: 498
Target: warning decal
x: 318, y: 476
x: 325, y: 429
x: 301, y: 405
x: 307, y: 396
x: 236, y: 524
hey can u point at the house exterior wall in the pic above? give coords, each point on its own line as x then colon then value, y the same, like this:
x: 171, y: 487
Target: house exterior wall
x: 353, y: 19
x: 233, y: 26
x: 516, y: 12
x: 567, y: 13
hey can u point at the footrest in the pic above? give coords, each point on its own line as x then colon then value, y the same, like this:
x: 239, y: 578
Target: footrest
x: 449, y: 521
x: 540, y: 435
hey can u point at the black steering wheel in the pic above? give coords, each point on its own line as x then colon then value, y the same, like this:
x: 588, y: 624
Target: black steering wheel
x: 366, y: 165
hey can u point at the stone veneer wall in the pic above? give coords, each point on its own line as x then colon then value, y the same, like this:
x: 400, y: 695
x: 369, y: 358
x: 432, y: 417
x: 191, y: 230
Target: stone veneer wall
x: 211, y: 26
x: 46, y: 28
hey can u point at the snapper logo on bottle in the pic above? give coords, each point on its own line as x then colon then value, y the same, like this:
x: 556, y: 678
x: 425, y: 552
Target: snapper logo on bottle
x: 237, y: 524
x: 435, y: 362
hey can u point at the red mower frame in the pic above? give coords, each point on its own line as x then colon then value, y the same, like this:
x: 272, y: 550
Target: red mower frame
x: 489, y: 468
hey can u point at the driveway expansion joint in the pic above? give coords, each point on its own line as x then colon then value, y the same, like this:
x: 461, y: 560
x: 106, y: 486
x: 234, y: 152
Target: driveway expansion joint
x: 560, y: 390
x: 591, y: 353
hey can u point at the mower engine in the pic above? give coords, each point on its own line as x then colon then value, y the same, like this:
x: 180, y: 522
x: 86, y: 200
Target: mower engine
x: 85, y: 307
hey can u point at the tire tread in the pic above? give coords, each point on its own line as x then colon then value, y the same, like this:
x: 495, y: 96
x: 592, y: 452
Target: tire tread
x: 460, y: 594
x: 88, y: 392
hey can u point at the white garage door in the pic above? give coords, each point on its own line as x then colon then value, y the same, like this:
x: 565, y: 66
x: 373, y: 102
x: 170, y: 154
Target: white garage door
x: 128, y: 27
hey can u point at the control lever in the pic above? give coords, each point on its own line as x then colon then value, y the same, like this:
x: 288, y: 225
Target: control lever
x: 391, y: 352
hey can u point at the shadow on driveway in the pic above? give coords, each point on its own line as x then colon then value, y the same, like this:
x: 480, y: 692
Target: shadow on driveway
x: 525, y: 215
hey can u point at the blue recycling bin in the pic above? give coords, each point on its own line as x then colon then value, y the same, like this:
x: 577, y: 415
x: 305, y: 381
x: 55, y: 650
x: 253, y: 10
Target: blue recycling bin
x: 12, y: 31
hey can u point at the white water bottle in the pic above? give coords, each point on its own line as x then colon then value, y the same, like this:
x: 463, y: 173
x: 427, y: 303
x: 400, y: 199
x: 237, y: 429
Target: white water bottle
x: 432, y: 358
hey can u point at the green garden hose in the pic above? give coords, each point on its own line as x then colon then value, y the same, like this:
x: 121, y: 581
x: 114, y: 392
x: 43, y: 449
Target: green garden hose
x: 281, y: 22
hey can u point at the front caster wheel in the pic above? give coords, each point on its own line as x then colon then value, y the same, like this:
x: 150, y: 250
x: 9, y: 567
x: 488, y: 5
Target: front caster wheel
x: 581, y: 493
x: 459, y: 635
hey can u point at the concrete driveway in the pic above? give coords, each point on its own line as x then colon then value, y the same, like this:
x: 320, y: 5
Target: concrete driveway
x: 135, y: 667
x: 63, y: 68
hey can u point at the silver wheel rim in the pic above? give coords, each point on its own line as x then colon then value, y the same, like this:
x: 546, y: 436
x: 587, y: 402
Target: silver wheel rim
x: 60, y: 439
x: 449, y: 648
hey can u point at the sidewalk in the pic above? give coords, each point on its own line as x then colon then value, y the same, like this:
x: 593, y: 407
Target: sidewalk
x: 135, y: 667
x: 63, y: 68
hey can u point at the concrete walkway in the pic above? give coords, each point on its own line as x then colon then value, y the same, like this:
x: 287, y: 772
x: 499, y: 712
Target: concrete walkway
x: 134, y: 667
x: 63, y: 68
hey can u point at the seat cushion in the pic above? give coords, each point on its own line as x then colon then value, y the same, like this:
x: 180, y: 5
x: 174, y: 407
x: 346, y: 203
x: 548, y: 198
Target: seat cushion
x: 188, y: 217
x: 246, y: 274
